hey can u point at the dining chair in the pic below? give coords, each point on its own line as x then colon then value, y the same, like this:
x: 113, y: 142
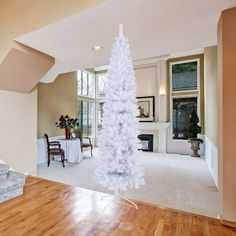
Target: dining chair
x: 54, y: 149
x: 83, y: 144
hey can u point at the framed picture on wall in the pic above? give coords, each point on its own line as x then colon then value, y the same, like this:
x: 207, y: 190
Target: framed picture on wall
x: 146, y: 108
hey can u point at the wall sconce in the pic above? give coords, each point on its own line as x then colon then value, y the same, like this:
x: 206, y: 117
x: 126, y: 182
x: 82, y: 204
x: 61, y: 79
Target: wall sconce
x: 162, y: 92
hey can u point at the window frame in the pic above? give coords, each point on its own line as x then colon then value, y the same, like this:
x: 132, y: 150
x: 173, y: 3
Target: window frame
x: 86, y: 98
x: 98, y: 100
x: 97, y: 107
x: 171, y: 112
x: 198, y: 75
x: 95, y: 99
x: 93, y: 113
x: 94, y: 84
x: 199, y: 93
x: 96, y: 79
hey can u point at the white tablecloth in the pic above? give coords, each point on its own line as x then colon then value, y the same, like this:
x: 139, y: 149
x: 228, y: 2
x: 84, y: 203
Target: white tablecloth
x: 72, y: 149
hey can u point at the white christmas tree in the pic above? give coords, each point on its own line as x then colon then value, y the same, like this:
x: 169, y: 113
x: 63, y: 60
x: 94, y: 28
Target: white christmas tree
x: 118, y: 167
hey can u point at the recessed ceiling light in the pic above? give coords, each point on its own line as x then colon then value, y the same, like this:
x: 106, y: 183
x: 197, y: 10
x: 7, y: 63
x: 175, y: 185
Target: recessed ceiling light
x: 97, y: 48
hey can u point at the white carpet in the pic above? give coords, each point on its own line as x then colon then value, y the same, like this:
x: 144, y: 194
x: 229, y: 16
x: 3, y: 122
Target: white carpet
x: 174, y: 181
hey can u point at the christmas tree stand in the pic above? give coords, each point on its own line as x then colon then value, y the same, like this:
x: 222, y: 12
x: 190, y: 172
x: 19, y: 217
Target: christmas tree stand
x: 120, y: 199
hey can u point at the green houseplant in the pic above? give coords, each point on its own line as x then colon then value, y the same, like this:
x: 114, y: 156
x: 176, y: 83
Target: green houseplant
x: 67, y: 123
x: 194, y: 130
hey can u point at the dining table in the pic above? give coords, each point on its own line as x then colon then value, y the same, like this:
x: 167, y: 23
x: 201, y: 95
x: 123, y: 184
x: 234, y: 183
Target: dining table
x: 72, y: 149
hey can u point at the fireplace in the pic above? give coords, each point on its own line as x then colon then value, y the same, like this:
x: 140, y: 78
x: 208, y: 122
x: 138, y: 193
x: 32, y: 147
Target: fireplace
x: 146, y: 142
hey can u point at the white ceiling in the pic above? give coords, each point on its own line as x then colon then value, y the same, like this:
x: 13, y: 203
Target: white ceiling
x: 154, y: 28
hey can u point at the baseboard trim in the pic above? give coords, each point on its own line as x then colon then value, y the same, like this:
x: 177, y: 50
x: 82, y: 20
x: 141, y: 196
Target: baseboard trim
x: 228, y: 223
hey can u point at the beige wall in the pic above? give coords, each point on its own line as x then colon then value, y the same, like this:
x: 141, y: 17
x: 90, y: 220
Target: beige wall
x: 148, y: 84
x: 146, y: 81
x: 18, y: 124
x: 55, y: 99
x: 227, y: 114
x: 211, y: 103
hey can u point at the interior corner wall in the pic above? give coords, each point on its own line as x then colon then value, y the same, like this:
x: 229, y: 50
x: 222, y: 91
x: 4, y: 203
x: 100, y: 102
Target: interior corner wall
x: 211, y: 110
x: 56, y: 99
x: 227, y: 115
x: 18, y: 136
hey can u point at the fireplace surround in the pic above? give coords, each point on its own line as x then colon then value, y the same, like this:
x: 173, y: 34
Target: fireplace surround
x: 146, y: 142
x: 159, y: 131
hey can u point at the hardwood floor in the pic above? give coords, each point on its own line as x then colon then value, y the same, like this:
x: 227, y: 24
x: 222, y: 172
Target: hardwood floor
x: 50, y: 208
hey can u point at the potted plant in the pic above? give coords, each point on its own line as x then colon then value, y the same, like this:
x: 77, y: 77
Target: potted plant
x: 194, y: 130
x: 67, y: 123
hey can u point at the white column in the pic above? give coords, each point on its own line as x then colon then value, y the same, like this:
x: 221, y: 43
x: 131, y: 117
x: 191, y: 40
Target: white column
x: 162, y: 140
x: 162, y: 97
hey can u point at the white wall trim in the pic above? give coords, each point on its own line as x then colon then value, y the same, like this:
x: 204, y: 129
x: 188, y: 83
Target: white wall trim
x: 211, y: 155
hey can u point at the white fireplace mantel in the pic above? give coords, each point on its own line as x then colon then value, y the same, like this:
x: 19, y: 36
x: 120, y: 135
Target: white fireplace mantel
x: 153, y: 125
x: 161, y: 127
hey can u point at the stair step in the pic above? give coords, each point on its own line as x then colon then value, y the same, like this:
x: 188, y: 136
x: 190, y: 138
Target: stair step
x: 12, y: 187
x: 14, y: 180
x: 12, y: 194
x: 4, y: 169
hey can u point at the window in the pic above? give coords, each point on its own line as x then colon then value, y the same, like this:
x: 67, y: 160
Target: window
x: 184, y: 76
x: 100, y: 116
x: 182, y: 109
x: 101, y: 84
x: 86, y: 84
x: 184, y: 94
x: 85, y: 117
x: 100, y: 98
x: 86, y: 100
x: 90, y: 102
x: 91, y: 85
